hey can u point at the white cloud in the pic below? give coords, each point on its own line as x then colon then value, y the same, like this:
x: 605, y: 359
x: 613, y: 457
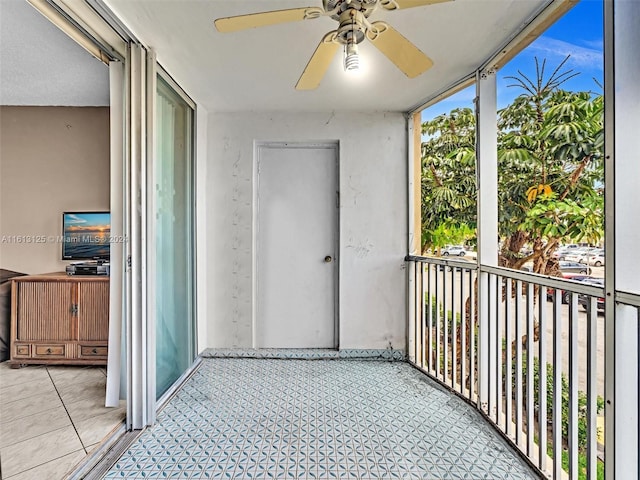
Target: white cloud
x: 597, y: 44
x: 74, y: 219
x: 551, y: 48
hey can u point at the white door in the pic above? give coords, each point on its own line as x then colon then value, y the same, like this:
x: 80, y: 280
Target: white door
x: 296, y: 266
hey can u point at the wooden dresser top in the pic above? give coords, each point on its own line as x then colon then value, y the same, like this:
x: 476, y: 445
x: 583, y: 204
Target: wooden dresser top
x: 61, y: 277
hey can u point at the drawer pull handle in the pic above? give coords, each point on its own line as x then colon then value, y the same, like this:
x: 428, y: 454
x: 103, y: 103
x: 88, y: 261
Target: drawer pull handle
x: 94, y: 351
x: 48, y: 350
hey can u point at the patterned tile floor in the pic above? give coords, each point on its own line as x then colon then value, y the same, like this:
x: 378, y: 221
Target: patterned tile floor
x: 245, y: 418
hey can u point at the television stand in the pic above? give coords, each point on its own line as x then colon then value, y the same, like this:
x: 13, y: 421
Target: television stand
x: 59, y: 319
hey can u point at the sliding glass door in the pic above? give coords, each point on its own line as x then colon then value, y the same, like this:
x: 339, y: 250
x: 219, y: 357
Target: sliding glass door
x: 174, y: 236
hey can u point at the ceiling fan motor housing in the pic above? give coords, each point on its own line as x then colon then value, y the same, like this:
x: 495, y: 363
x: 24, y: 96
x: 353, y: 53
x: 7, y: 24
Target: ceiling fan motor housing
x: 366, y: 7
x: 352, y: 28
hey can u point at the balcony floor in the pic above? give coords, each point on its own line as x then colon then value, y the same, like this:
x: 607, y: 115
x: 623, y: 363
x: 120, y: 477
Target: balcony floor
x: 265, y: 418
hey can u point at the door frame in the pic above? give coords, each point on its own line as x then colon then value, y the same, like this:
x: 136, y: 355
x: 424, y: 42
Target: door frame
x: 258, y: 146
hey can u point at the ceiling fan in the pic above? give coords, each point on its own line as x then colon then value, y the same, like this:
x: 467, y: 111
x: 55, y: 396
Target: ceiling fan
x: 354, y: 27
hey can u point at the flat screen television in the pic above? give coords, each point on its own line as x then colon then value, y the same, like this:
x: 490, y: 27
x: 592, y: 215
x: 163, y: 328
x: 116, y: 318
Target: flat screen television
x: 86, y: 236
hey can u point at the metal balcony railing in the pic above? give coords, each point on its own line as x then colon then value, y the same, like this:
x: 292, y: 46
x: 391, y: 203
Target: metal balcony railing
x: 528, y: 351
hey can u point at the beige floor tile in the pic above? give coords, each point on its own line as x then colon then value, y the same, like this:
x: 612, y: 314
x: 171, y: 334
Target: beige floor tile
x: 25, y: 455
x: 33, y: 426
x: 12, y: 410
x: 53, y: 470
x: 95, y: 389
x: 21, y: 391
x: 86, y: 409
x: 68, y: 375
x: 14, y: 376
x: 93, y: 430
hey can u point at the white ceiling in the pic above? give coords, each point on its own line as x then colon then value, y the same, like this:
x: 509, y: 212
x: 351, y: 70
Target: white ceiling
x: 253, y: 70
x: 41, y: 65
x: 257, y: 69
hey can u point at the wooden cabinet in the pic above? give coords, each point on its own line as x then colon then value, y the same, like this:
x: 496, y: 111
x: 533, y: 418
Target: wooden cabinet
x: 59, y: 319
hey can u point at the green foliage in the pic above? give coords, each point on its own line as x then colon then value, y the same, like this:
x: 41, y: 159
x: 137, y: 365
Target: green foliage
x: 582, y: 464
x: 448, y: 179
x: 550, y: 218
x: 582, y: 400
x: 547, y: 137
x: 449, y: 233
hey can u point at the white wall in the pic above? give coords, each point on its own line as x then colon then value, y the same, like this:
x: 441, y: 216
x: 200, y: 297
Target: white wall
x: 373, y: 221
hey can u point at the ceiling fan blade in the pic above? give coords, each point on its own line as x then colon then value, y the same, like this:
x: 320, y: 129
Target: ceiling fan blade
x: 404, y: 54
x: 253, y: 20
x: 402, y: 4
x: 319, y: 62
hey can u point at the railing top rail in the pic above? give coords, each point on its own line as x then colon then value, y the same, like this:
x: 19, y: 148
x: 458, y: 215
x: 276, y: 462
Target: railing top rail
x: 627, y: 298
x: 455, y: 261
x: 545, y: 280
x: 535, y: 278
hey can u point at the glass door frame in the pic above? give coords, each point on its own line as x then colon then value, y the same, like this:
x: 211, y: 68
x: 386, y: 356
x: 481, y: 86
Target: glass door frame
x: 154, y: 71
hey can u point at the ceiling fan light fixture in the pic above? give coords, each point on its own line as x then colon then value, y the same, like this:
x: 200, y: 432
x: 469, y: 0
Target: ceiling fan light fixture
x: 351, y: 58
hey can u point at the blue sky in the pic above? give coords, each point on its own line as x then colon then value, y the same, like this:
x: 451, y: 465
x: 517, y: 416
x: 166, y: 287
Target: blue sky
x: 578, y: 33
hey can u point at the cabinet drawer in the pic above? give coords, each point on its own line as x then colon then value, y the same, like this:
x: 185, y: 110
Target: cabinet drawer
x: 50, y: 350
x: 23, y: 350
x: 93, y: 351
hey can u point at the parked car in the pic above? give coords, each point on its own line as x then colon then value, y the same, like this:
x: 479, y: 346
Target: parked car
x: 578, y: 255
x: 574, y: 267
x: 458, y: 250
x: 596, y: 260
x: 565, y: 295
x: 583, y: 300
x: 561, y: 253
x: 590, y: 253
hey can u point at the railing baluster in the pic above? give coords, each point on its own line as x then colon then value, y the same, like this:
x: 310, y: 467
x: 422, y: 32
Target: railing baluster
x: 573, y: 387
x: 498, y: 349
x: 454, y: 337
x: 530, y: 393
x: 557, y: 384
x: 592, y: 389
x: 509, y: 361
x: 420, y: 315
x: 423, y: 317
x: 518, y: 340
x: 445, y: 327
x: 416, y: 306
x: 490, y: 364
x: 438, y: 336
x: 472, y: 350
x: 430, y: 318
x: 542, y: 377
x: 463, y: 330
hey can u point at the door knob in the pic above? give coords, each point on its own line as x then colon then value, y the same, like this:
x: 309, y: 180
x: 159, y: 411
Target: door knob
x: 328, y: 259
